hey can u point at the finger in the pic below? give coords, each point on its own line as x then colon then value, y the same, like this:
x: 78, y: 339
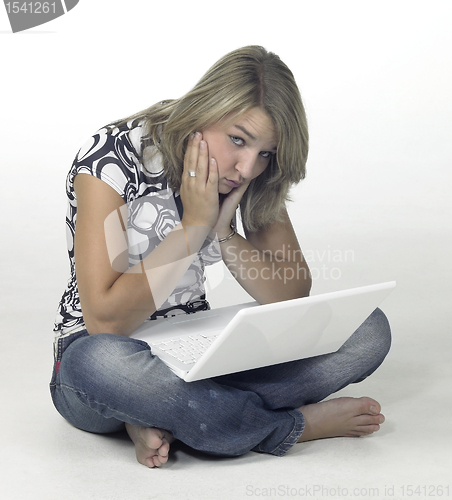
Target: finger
x: 237, y: 193
x: 202, y: 166
x: 191, y: 153
x: 230, y: 204
x: 213, y: 174
x: 243, y: 187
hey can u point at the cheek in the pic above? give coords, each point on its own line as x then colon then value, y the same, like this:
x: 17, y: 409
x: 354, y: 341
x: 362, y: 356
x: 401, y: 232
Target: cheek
x: 212, y: 147
x: 213, y: 139
x: 259, y: 169
x: 220, y: 152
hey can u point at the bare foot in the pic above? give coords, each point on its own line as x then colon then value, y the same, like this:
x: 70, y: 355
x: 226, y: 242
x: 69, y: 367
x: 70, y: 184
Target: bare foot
x: 348, y: 417
x: 151, y: 444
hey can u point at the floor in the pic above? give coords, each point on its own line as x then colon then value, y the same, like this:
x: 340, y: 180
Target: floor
x: 44, y: 457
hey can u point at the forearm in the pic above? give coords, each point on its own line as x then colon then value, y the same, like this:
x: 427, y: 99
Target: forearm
x: 142, y: 289
x: 266, y: 276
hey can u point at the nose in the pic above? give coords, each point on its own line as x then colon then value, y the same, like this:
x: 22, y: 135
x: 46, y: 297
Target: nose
x: 245, y: 164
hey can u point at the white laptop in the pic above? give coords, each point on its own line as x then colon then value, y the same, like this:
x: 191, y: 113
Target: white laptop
x: 246, y: 336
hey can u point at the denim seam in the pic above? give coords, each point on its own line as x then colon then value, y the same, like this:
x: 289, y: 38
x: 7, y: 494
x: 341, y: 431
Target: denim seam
x: 61, y: 343
x: 293, y: 436
x: 81, y: 393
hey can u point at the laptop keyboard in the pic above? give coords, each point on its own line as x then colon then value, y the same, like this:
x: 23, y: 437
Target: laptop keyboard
x: 186, y: 349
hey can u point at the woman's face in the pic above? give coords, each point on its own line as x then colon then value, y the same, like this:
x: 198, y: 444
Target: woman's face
x: 242, y: 148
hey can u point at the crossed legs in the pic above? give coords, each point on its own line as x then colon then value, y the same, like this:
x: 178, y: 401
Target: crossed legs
x: 266, y: 410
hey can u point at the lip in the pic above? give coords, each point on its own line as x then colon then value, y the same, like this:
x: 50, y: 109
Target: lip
x: 233, y: 184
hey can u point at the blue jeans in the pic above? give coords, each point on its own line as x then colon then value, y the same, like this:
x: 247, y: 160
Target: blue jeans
x: 101, y: 381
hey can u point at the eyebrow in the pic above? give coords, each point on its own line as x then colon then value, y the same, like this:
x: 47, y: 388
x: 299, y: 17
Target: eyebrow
x: 243, y: 129
x: 251, y: 136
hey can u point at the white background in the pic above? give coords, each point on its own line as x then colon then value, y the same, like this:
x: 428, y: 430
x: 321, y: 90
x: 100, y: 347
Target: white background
x: 376, y: 79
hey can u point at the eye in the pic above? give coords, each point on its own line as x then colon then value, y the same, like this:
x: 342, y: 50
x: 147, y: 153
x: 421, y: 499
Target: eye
x: 266, y: 154
x: 238, y: 141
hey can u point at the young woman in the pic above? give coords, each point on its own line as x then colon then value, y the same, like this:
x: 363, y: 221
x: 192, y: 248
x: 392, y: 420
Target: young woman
x: 157, y: 202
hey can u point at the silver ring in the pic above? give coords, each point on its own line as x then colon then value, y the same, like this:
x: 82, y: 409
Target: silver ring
x: 191, y: 173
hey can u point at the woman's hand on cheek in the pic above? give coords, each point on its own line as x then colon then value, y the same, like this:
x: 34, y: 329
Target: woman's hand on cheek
x: 199, y: 187
x: 228, y: 209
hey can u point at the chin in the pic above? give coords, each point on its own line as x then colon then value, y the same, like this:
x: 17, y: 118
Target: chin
x: 224, y: 189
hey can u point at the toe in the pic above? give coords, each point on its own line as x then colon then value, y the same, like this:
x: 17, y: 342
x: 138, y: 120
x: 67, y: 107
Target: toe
x: 163, y: 451
x: 364, y: 430
x: 370, y: 406
x: 370, y: 429
x: 149, y: 462
x: 366, y: 419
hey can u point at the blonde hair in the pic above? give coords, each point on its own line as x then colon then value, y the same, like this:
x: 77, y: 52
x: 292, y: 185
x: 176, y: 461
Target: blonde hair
x: 241, y: 80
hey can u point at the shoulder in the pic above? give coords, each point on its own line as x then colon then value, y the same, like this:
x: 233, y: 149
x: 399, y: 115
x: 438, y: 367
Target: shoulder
x: 114, y: 155
x: 108, y: 145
